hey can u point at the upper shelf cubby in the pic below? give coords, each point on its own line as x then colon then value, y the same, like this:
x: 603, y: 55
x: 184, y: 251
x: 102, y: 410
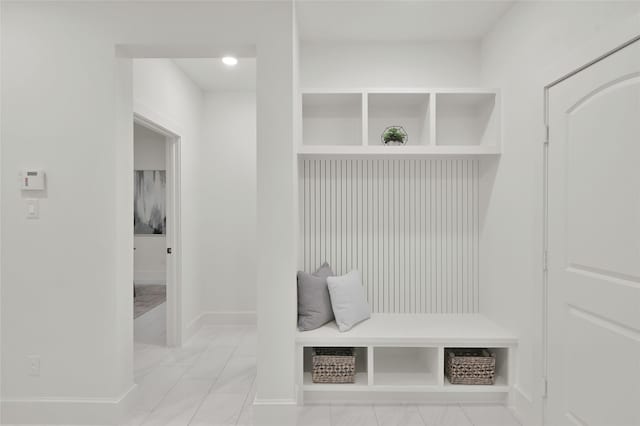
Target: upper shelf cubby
x: 438, y: 122
x: 409, y: 110
x: 466, y: 119
x: 332, y: 119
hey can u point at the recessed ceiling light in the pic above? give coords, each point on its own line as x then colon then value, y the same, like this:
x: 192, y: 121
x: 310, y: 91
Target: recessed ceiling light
x: 229, y: 60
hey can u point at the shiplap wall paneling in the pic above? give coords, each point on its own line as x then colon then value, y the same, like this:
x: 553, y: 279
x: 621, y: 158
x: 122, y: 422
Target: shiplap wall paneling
x: 410, y: 227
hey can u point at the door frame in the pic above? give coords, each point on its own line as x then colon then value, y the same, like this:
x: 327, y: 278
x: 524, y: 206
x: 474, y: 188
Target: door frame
x: 153, y: 122
x: 609, y: 41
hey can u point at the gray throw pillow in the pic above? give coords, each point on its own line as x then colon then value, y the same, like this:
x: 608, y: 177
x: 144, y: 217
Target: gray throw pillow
x: 349, y: 303
x: 314, y: 303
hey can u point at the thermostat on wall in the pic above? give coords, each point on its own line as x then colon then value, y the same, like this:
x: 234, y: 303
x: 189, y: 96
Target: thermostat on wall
x: 32, y: 180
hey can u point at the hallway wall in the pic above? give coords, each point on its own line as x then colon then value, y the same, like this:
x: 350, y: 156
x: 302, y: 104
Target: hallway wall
x: 65, y: 66
x: 229, y: 145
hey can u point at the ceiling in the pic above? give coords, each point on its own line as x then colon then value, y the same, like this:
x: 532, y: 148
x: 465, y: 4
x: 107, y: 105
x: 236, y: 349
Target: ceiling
x: 397, y: 20
x: 212, y: 75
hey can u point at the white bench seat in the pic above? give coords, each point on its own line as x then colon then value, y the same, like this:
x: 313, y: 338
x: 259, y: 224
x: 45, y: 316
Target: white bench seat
x: 413, y: 329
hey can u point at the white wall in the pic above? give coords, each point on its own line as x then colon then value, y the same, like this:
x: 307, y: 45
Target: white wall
x: 60, y: 70
x: 149, y: 257
x: 368, y: 64
x: 528, y: 41
x: 229, y: 198
x: 149, y: 147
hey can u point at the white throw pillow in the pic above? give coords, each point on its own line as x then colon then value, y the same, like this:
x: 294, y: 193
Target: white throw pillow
x: 349, y: 304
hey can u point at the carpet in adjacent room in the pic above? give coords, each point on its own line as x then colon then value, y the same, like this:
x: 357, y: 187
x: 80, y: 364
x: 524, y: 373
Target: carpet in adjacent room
x: 148, y: 297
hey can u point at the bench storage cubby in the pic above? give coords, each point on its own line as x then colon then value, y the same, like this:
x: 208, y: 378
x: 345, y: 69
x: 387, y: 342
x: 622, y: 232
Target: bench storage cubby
x: 470, y: 366
x: 403, y: 356
x: 333, y: 365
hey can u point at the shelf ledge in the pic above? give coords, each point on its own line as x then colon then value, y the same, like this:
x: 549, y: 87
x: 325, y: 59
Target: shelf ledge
x: 413, y: 329
x: 409, y: 151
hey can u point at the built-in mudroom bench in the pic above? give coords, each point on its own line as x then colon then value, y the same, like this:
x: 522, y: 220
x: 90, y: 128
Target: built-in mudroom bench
x: 393, y: 183
x: 402, y: 357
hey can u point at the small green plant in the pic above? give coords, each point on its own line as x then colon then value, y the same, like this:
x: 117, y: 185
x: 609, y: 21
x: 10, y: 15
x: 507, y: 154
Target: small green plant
x: 394, y: 134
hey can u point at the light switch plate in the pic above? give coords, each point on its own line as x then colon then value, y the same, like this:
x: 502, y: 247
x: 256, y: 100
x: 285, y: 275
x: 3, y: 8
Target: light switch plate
x: 33, y: 208
x: 34, y: 365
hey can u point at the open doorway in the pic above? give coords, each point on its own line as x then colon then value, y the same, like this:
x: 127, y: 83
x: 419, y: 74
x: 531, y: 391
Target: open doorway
x: 208, y: 109
x: 156, y: 232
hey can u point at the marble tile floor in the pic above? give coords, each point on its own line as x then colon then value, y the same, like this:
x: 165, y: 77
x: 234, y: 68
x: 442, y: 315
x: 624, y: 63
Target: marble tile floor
x: 211, y: 382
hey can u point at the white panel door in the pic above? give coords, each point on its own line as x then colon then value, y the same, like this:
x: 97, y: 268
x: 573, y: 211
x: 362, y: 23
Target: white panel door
x: 594, y: 245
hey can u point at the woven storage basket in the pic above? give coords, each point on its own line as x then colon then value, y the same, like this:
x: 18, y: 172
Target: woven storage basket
x: 471, y: 367
x: 333, y: 365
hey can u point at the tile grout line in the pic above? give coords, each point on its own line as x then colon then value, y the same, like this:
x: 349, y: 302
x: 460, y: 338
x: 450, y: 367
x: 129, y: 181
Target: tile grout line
x: 246, y: 397
x: 180, y: 377
x: 424, y: 422
x: 174, y: 385
x: 217, y: 377
x: 252, y: 382
x: 375, y: 414
x: 164, y: 396
x: 464, y: 413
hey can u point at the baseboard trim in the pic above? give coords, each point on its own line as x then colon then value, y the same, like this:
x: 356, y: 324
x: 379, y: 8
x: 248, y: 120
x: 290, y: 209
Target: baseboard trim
x: 274, y: 402
x: 150, y: 281
x: 193, y: 327
x: 228, y: 318
x: 522, y: 407
x: 391, y: 397
x: 67, y: 411
x: 220, y: 318
x: 275, y: 412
